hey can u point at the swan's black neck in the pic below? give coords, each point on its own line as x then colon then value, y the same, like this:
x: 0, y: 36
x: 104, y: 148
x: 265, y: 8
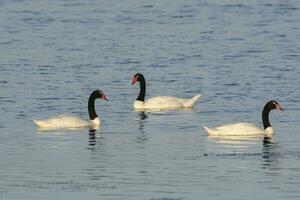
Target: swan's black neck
x: 91, y: 106
x: 265, y: 116
x: 141, y: 96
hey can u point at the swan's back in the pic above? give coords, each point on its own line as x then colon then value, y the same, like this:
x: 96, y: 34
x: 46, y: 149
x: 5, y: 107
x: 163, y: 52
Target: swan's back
x: 235, y: 129
x: 62, y: 121
x: 162, y: 102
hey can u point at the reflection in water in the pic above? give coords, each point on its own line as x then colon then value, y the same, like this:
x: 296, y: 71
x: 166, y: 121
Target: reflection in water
x: 142, y: 117
x: 270, y: 156
x: 239, y: 142
x: 92, y: 137
x: 267, y: 140
x: 41, y: 130
x: 142, y: 120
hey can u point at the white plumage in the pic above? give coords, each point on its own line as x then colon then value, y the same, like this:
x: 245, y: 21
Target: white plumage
x: 159, y: 102
x: 69, y: 121
x: 65, y: 121
x: 239, y: 129
x: 247, y: 129
x: 166, y: 102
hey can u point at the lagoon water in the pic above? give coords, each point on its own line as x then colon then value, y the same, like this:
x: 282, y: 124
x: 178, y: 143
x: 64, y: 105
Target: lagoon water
x: 237, y: 54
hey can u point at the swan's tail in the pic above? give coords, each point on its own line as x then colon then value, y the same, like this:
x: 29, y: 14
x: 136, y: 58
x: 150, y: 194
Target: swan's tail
x: 192, y: 101
x: 39, y: 123
x: 208, y: 130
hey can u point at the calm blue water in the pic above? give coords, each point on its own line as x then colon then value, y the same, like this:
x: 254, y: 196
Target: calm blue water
x: 237, y: 54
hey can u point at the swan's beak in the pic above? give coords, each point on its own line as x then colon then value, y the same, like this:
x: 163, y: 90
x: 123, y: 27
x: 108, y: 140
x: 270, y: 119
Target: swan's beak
x: 278, y: 107
x: 104, y: 97
x: 134, y: 80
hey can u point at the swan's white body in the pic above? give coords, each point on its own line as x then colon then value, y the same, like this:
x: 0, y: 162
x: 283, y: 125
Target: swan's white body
x: 238, y: 129
x: 165, y: 102
x: 65, y: 121
x: 247, y: 129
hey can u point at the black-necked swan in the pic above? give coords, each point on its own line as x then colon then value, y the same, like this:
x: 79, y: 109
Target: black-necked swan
x: 159, y: 102
x: 65, y: 121
x: 247, y: 128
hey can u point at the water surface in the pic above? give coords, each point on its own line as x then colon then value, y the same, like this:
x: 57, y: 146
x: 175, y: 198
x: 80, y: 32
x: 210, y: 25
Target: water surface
x: 237, y: 54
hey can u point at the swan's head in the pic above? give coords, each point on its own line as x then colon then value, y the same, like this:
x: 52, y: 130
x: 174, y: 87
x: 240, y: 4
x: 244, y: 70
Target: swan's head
x: 137, y: 77
x: 99, y: 95
x: 274, y: 105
